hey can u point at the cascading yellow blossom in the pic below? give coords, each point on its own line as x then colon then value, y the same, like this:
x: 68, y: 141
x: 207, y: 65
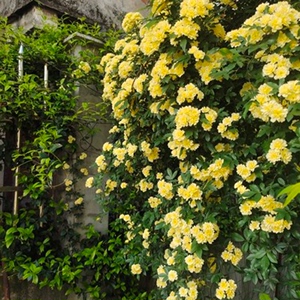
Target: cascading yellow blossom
x: 192, y: 9
x: 131, y: 21
x: 279, y: 152
x: 154, y: 36
x: 165, y: 189
x: 226, y: 289
x: 187, y: 116
x: 185, y: 27
x: 232, y: 253
x: 188, y: 93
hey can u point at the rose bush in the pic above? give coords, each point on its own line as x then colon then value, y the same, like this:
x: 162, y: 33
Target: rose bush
x: 206, y: 135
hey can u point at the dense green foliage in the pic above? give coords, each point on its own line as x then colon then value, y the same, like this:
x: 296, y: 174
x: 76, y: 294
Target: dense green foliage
x: 38, y: 243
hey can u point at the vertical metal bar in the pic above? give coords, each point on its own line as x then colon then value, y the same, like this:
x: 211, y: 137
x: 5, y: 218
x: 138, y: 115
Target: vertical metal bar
x: 21, y: 74
x: 46, y: 75
x: 20, y: 62
x: 46, y: 80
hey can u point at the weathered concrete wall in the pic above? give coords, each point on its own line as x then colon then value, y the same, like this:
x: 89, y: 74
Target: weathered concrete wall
x: 9, y: 7
x: 105, y: 12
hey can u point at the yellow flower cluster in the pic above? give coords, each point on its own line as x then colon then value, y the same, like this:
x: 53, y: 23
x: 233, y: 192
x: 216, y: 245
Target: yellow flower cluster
x: 84, y: 66
x: 192, y: 192
x: 216, y: 173
x: 130, y: 48
x: 165, y: 189
x: 266, y: 204
x: 66, y: 166
x: 187, y: 116
x: 268, y: 19
x: 161, y: 68
x: 192, y: 9
x: 247, y: 171
x: 184, y: 27
x: 269, y: 223
x: 161, y: 107
x: 188, y: 93
x: 290, y: 91
x: 138, y: 83
x: 152, y: 37
x: 150, y: 153
x: 205, y: 233
x: 131, y: 149
x: 154, y: 202
x: 160, y: 7
x: 125, y: 68
x: 127, y: 219
x: 155, y: 88
x: 89, y: 182
x: 151, y: 83
x: 130, y: 225
x: 100, y: 162
x: 226, y: 289
x: 180, y: 230
x: 229, y: 133
x: 180, y: 144
x: 267, y: 107
x: 189, y: 292
x: 146, y: 171
x: 68, y: 184
x: 210, y: 118
x: 194, y: 263
x: 119, y: 153
x: 219, y: 31
x: 240, y: 188
x: 279, y: 152
x: 110, y: 185
x: 232, y: 253
x: 205, y: 67
x: 71, y: 139
x: 221, y: 147
x: 131, y: 21
x: 146, y: 235
x: 107, y: 147
x: 197, y: 53
x: 277, y: 66
x: 144, y: 185
x: 84, y: 171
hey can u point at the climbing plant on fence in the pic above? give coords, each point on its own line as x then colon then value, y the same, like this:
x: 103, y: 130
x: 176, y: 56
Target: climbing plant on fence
x: 37, y: 243
x: 206, y: 102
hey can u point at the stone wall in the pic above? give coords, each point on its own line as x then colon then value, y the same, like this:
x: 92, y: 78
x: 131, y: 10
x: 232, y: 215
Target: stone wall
x: 105, y: 12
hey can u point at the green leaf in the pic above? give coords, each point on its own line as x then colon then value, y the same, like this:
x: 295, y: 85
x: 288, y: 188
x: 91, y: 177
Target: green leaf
x: 263, y: 296
x: 292, y: 191
x: 237, y: 237
x: 183, y: 43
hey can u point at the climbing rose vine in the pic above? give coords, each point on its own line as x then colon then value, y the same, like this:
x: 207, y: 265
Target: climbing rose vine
x: 205, y: 136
